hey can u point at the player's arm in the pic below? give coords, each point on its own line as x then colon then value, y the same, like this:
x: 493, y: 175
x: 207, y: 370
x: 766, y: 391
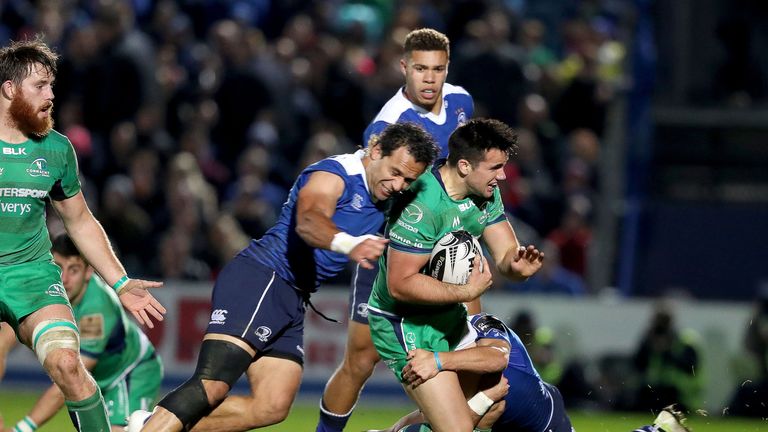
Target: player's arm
x: 513, y: 260
x: 91, y: 240
x: 50, y: 402
x: 316, y: 205
x: 406, y: 283
x: 489, y: 356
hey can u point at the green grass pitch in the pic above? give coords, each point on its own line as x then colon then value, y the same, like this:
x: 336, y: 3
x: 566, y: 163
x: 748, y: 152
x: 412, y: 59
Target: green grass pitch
x: 14, y: 405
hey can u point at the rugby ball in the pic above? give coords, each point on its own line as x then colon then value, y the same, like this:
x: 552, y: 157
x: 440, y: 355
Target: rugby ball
x: 453, y: 257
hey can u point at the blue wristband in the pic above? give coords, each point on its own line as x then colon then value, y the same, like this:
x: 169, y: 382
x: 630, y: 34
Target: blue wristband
x: 437, y: 360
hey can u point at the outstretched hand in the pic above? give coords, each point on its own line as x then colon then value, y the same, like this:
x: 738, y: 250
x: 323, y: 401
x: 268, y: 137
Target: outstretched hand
x: 527, y: 261
x: 140, y: 302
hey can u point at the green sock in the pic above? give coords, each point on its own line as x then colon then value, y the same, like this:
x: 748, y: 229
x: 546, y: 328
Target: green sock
x: 89, y: 414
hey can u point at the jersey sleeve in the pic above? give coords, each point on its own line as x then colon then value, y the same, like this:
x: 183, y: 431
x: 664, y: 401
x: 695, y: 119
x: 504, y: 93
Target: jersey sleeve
x: 413, y: 229
x: 69, y: 183
x: 495, y: 210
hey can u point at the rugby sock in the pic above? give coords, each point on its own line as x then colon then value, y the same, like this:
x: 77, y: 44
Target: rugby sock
x: 89, y: 414
x: 331, y: 422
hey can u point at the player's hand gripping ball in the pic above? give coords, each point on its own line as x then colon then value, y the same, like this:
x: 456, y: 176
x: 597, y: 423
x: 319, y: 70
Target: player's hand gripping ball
x: 453, y: 257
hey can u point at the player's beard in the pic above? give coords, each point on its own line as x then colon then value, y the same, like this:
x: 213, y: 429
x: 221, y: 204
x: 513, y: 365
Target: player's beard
x: 25, y: 116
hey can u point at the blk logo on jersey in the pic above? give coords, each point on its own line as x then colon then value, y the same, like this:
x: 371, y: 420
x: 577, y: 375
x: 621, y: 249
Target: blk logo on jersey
x: 21, y: 151
x: 39, y: 168
x: 218, y: 316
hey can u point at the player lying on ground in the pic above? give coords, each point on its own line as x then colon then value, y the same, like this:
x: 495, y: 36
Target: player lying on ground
x: 529, y: 405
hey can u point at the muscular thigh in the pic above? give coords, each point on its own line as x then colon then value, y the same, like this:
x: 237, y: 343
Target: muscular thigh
x: 274, y: 379
x: 26, y: 288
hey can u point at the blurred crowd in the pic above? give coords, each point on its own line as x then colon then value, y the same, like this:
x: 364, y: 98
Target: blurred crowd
x: 191, y: 118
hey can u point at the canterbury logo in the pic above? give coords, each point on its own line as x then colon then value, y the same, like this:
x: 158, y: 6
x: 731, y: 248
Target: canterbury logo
x: 218, y: 316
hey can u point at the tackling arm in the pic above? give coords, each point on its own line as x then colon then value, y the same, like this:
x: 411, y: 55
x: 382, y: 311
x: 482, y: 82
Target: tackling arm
x: 491, y: 355
x: 92, y: 242
x: 316, y: 205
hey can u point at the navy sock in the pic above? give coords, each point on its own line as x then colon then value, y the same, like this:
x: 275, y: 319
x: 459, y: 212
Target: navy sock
x: 331, y: 422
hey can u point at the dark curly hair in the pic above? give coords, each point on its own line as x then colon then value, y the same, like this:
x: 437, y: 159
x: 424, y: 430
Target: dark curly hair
x: 471, y: 140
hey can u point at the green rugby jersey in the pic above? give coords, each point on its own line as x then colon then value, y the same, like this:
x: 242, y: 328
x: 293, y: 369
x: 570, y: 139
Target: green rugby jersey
x: 29, y: 173
x: 420, y: 219
x: 108, y: 335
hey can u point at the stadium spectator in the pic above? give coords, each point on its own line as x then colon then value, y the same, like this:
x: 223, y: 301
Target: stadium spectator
x: 43, y: 318
x: 428, y: 100
x: 669, y: 364
x: 407, y: 305
x: 335, y: 207
x: 752, y: 392
x: 128, y: 373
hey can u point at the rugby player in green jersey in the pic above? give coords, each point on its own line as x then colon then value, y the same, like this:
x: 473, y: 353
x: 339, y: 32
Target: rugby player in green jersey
x: 409, y: 309
x: 120, y: 357
x: 37, y: 164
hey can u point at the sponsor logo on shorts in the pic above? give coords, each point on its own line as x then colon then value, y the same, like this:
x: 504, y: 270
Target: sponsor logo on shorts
x: 300, y: 350
x: 412, y: 214
x: 362, y: 310
x: 218, y: 316
x: 56, y: 290
x: 410, y: 339
x: 263, y: 332
x: 1, y: 171
x: 357, y: 202
x: 38, y: 168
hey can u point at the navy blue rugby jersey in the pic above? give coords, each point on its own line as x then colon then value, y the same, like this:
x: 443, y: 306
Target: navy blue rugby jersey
x: 488, y: 326
x: 456, y: 110
x: 299, y: 264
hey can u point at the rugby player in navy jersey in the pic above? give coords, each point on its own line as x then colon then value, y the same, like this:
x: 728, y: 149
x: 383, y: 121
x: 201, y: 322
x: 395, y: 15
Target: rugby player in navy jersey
x: 425, y: 99
x: 530, y: 404
x: 333, y: 211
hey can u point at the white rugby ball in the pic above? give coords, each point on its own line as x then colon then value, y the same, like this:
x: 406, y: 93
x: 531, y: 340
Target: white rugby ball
x: 453, y: 257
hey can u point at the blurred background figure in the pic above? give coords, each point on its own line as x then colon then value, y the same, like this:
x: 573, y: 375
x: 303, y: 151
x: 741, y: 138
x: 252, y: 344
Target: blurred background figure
x: 668, y: 362
x: 752, y: 393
